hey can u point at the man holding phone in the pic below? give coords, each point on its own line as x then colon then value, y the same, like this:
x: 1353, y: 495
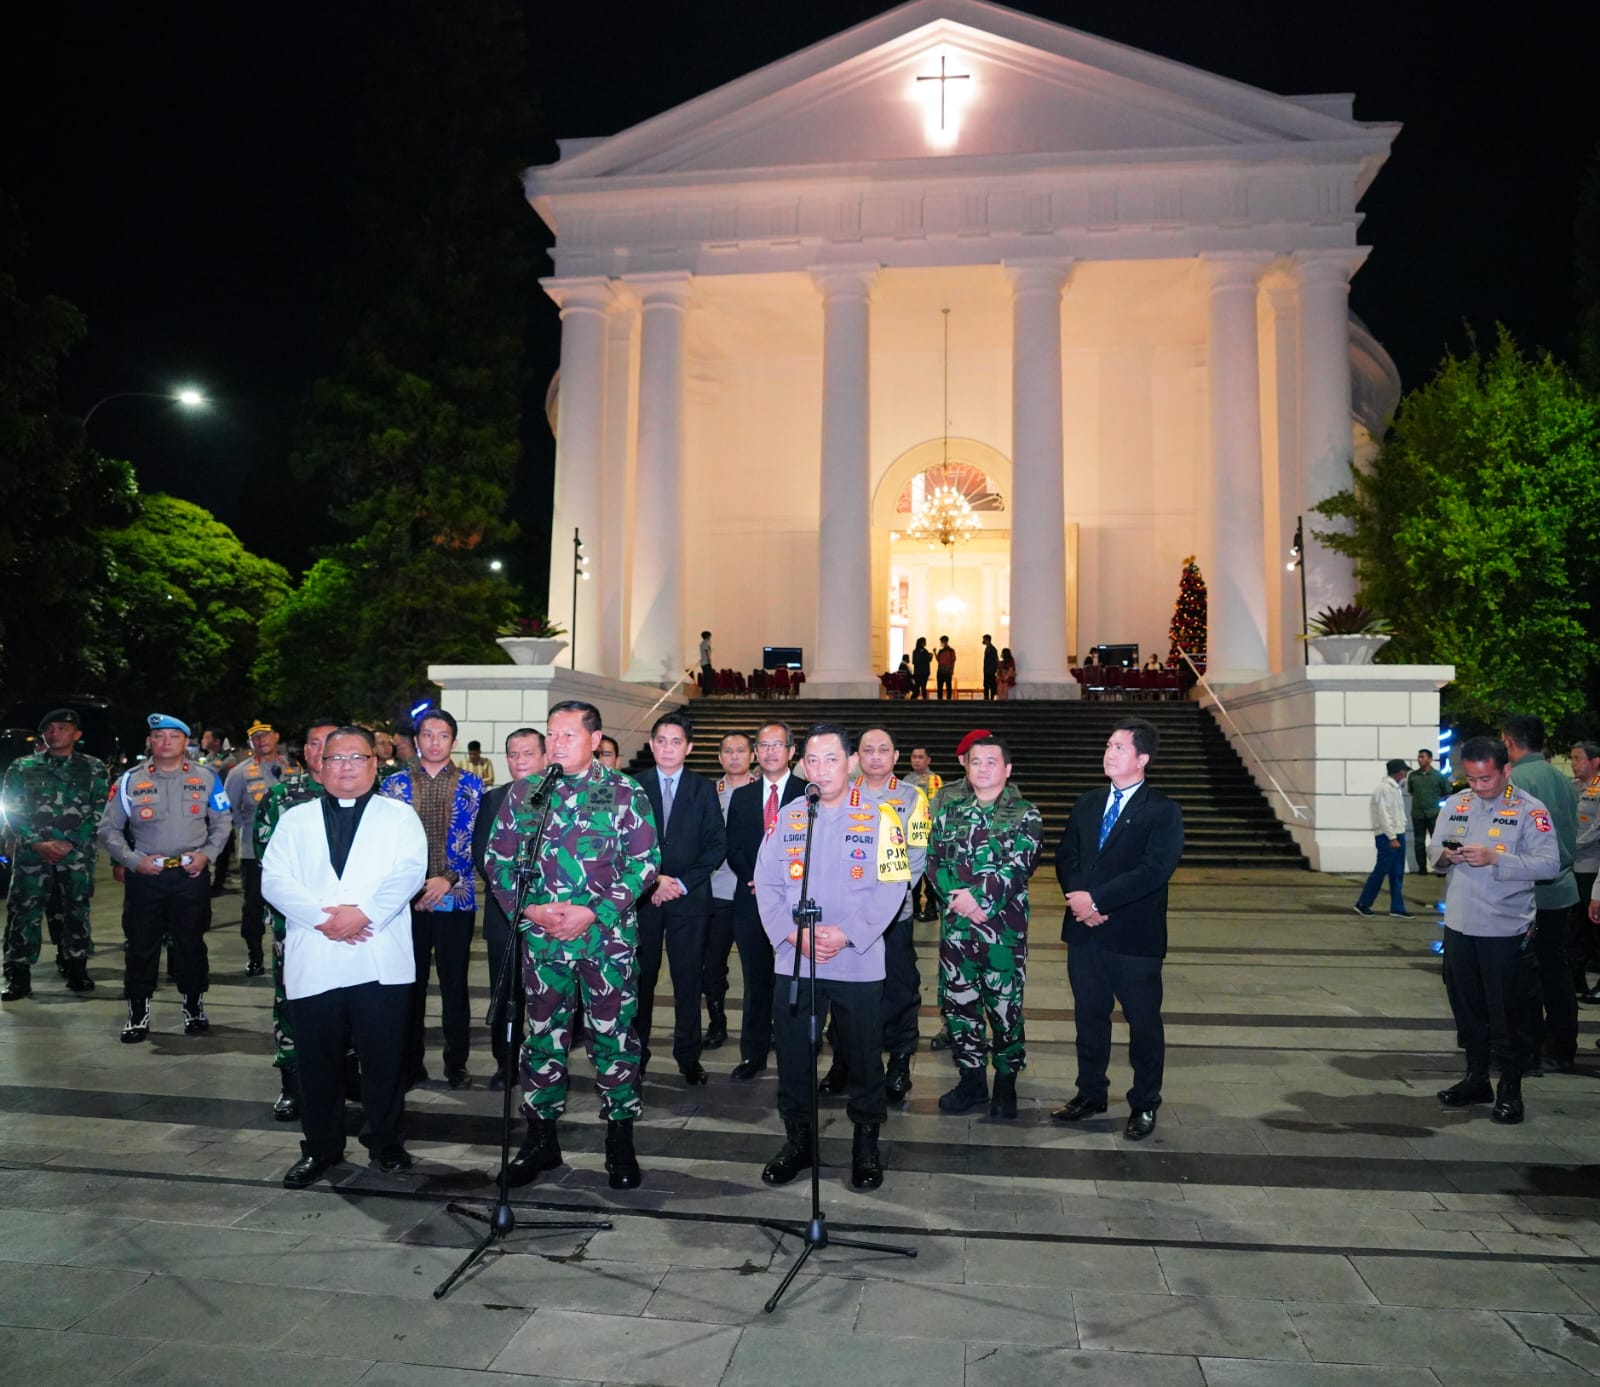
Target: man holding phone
x: 1496, y: 841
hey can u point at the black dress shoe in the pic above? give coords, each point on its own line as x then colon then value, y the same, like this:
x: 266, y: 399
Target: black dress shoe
x: 458, y: 1078
x: 1590, y: 997
x: 254, y: 969
x: 1559, y: 1066
x: 897, y: 1078
x: 497, y: 1081
x: 1507, y: 1101
x: 747, y: 1069
x: 393, y: 1159
x: 287, y: 1108
x: 1475, y: 1088
x: 541, y: 1151
x: 836, y: 1082
x: 716, y: 1027
x: 1078, y: 1108
x: 866, y: 1162
x: 1141, y: 1122
x: 309, y: 1169
x: 693, y: 1074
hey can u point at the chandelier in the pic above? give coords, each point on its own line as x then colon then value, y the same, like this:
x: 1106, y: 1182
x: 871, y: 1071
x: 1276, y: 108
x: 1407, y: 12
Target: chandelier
x: 943, y: 517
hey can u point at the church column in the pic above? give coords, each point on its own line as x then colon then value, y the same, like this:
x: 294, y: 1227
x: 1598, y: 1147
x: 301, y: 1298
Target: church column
x: 656, y: 612
x: 1236, y: 571
x: 580, y: 434
x: 1326, y: 428
x: 842, y: 664
x: 1038, y: 630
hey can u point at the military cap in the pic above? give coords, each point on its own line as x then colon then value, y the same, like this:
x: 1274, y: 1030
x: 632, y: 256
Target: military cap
x: 258, y: 726
x: 60, y: 715
x: 161, y: 721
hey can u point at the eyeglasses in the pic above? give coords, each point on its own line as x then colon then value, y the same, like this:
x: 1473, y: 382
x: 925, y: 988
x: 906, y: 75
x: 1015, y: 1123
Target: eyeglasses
x: 355, y: 758
x: 772, y: 746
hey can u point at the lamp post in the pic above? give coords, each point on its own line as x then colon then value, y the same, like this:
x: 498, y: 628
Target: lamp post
x: 580, y: 573
x: 188, y: 397
x: 1297, y: 560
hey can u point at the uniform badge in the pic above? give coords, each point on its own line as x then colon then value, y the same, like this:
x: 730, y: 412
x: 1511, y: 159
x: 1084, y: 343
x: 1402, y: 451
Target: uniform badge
x: 857, y: 873
x: 1494, y: 832
x: 147, y: 813
x: 855, y: 798
x: 1541, y: 820
x: 194, y: 808
x: 797, y: 870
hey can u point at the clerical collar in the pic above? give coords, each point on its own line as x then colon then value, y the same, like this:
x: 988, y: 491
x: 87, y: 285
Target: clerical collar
x: 347, y: 804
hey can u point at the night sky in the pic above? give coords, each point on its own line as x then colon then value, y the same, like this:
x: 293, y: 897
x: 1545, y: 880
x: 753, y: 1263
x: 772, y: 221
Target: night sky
x: 179, y: 170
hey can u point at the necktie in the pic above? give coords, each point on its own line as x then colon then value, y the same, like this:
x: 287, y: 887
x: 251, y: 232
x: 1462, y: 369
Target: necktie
x: 770, y: 819
x: 666, y: 802
x: 1109, y: 818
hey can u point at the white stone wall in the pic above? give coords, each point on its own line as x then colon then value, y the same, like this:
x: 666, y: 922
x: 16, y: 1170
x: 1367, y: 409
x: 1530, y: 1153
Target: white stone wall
x: 1323, y: 735
x: 489, y: 702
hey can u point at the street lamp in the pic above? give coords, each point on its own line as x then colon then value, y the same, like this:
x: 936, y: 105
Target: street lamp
x: 188, y: 397
x: 580, y: 573
x: 1297, y: 560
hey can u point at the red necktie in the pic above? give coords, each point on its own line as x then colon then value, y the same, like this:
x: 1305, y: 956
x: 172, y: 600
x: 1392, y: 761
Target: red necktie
x: 771, y: 816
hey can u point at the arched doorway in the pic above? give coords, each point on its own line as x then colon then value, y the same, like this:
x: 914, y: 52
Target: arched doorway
x: 925, y: 589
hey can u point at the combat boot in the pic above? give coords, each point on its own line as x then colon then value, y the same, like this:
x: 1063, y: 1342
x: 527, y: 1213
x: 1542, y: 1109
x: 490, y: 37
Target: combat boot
x: 287, y: 1108
x: 19, y: 983
x: 1475, y: 1088
x: 971, y: 1092
x: 1508, y: 1101
x: 78, y: 979
x: 1004, y: 1102
x: 541, y: 1151
x: 942, y: 1040
x: 195, y: 1021
x: 897, y: 1078
x: 138, y: 1024
x: 621, y: 1164
x: 866, y: 1162
x: 793, y: 1157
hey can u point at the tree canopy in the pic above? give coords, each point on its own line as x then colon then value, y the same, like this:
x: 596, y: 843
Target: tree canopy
x: 1476, y: 531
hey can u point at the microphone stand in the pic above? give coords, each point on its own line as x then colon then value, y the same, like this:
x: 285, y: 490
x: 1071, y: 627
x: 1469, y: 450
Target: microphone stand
x: 807, y: 916
x: 502, y: 1222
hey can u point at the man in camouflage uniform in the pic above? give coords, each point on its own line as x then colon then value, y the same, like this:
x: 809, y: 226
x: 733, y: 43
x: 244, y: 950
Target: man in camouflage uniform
x: 50, y: 804
x: 597, y: 855
x: 297, y: 787
x: 983, y: 848
x: 949, y: 792
x: 247, y: 785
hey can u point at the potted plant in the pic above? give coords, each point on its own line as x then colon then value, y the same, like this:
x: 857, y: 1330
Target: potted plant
x: 1347, y: 635
x: 531, y: 640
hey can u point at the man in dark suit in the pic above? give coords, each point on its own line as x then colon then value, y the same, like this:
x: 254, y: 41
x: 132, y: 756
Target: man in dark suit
x: 676, y: 912
x: 525, y: 757
x: 752, y: 815
x: 1120, y: 848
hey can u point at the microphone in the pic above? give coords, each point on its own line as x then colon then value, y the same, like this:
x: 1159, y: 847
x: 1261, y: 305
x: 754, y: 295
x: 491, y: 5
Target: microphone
x: 553, y: 772
x: 813, y: 792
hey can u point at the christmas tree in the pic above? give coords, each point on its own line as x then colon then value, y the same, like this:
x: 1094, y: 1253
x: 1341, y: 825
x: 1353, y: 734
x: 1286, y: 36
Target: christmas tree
x: 1188, y: 629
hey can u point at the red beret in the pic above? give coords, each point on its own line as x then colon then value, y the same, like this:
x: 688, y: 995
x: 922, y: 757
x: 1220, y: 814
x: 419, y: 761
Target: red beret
x: 965, y: 744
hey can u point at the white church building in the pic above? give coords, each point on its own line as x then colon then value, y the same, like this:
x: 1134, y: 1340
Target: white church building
x: 1097, y: 298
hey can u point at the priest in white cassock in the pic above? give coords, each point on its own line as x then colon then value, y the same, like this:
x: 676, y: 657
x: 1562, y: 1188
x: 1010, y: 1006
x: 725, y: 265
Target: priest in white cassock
x: 343, y: 869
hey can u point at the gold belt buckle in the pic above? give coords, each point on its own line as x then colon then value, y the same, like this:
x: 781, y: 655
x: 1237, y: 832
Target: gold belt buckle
x: 171, y: 863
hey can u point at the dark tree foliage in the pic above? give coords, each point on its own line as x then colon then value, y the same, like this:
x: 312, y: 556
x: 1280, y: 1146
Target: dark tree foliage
x: 415, y: 442
x: 1587, y: 274
x: 55, y: 491
x: 1476, y: 533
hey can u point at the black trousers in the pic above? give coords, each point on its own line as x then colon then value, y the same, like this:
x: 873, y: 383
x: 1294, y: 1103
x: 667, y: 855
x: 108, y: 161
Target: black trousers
x: 684, y: 938
x: 1581, y: 934
x: 496, y: 932
x: 374, y: 1016
x: 946, y: 680
x: 719, y: 945
x: 1551, y: 1005
x: 1481, y: 979
x: 1100, y: 977
x: 857, y: 1025
x: 902, y: 989
x: 174, y: 904
x: 991, y: 685
x: 443, y: 937
x: 1421, y: 831
x: 253, y: 919
x: 919, y: 687
x: 755, y: 967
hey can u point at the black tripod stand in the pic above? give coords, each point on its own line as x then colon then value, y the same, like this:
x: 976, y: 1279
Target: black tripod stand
x: 814, y: 1232
x: 501, y: 1220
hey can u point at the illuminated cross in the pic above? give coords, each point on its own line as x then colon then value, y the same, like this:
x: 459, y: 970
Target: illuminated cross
x: 941, y: 79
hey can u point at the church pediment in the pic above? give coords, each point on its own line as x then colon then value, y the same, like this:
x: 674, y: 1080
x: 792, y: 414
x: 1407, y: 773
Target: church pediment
x: 956, y: 81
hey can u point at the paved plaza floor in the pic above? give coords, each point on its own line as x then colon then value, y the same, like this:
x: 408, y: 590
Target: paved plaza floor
x: 1305, y: 1215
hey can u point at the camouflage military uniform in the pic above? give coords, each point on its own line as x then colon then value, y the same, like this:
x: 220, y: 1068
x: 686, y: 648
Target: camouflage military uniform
x: 295, y: 788
x: 991, y: 850
x: 599, y: 851
x: 50, y: 797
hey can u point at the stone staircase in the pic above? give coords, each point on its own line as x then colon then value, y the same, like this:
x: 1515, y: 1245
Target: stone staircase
x: 1055, y: 749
